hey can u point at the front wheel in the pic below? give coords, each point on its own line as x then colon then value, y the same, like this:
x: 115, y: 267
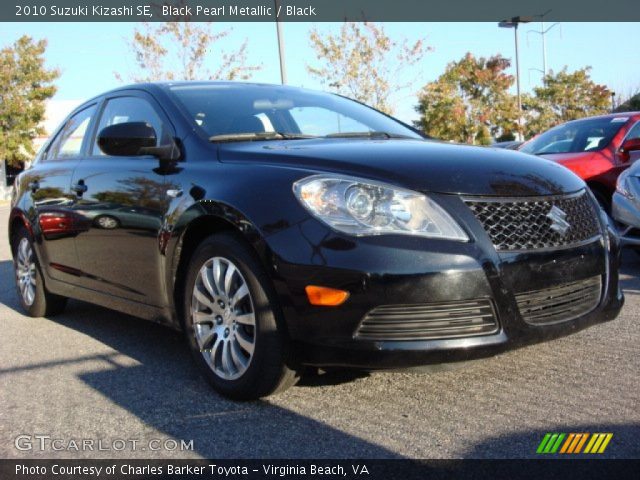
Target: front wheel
x: 34, y: 297
x: 231, y: 321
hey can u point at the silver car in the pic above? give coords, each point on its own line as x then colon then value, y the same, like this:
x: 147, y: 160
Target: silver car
x: 626, y: 205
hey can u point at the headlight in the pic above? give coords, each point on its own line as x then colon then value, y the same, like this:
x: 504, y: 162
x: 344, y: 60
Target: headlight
x: 622, y: 186
x: 364, y: 207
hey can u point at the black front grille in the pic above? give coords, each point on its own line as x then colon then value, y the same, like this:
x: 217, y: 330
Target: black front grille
x: 428, y: 321
x: 561, y: 303
x: 527, y: 223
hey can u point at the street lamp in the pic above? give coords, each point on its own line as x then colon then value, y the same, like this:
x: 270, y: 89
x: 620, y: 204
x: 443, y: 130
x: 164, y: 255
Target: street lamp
x: 513, y: 23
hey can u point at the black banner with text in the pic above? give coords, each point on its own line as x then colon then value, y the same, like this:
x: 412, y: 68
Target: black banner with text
x: 316, y: 10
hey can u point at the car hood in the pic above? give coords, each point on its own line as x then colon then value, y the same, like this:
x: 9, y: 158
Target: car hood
x: 420, y: 165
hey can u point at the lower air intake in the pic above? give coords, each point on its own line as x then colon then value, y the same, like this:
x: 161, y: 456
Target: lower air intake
x: 428, y: 321
x: 561, y: 303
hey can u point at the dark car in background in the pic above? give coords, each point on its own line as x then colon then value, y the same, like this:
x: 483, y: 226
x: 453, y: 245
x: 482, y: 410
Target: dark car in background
x: 597, y: 149
x: 282, y: 228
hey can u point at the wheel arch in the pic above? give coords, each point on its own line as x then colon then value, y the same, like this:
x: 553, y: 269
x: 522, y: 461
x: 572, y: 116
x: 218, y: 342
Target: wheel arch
x: 208, y: 221
x: 16, y: 220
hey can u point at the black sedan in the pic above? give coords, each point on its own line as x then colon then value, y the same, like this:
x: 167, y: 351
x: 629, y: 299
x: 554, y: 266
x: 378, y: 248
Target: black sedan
x: 282, y: 228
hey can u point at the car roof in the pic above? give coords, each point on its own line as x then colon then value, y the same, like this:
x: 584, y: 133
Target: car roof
x: 166, y: 85
x: 632, y: 115
x: 152, y: 87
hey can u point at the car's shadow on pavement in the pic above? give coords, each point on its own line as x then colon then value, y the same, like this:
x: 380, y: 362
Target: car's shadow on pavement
x: 160, y: 385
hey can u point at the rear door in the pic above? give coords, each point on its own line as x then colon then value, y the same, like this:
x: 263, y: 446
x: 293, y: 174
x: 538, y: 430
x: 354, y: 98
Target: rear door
x: 123, y: 200
x: 49, y: 184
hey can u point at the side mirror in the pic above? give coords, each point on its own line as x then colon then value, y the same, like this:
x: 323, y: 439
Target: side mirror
x: 633, y: 144
x: 133, y: 139
x: 127, y: 139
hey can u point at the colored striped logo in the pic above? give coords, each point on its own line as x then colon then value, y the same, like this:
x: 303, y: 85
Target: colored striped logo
x: 574, y: 443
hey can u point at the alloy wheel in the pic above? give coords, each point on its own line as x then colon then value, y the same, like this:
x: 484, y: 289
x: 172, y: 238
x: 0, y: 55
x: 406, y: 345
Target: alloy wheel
x: 107, y: 223
x: 223, y: 316
x: 26, y: 272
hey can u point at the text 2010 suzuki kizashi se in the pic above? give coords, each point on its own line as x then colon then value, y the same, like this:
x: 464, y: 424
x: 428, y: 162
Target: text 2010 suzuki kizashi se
x: 281, y: 227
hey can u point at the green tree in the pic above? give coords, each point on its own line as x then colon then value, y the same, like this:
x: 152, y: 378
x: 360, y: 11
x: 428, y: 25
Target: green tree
x: 564, y: 96
x: 470, y: 102
x: 25, y: 86
x: 182, y: 50
x: 363, y: 63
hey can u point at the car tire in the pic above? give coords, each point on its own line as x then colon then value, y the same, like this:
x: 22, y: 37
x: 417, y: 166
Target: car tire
x: 233, y: 322
x: 32, y: 292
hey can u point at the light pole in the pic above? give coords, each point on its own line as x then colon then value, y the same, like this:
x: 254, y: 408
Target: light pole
x: 513, y: 23
x: 283, y: 68
x: 613, y: 102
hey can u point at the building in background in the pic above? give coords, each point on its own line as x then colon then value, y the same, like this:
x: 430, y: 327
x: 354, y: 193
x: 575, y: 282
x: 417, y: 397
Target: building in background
x: 55, y: 113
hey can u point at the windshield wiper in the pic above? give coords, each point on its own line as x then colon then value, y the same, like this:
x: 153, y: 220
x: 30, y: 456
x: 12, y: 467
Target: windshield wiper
x: 369, y: 134
x: 255, y: 136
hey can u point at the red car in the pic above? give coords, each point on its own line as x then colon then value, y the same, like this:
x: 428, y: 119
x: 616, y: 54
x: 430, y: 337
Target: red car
x: 597, y: 149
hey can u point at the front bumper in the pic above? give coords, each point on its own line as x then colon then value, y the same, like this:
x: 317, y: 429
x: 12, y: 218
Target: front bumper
x: 626, y: 211
x: 399, y: 270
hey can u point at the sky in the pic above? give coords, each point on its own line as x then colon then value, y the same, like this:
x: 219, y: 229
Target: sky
x: 89, y: 54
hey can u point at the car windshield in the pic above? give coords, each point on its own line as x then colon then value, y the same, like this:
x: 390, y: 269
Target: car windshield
x: 227, y: 112
x: 582, y: 136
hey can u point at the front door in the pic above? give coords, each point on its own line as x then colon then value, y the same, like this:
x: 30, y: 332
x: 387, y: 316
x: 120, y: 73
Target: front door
x: 124, y: 201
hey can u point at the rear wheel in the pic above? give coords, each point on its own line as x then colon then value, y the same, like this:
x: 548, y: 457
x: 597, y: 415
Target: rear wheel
x: 33, y: 295
x: 231, y: 321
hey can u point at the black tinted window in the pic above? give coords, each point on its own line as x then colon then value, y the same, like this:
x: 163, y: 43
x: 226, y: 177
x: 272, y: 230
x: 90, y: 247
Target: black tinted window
x: 130, y: 109
x: 230, y: 109
x: 68, y: 142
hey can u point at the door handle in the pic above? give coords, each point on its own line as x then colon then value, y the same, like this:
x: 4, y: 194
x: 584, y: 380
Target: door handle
x: 79, y: 187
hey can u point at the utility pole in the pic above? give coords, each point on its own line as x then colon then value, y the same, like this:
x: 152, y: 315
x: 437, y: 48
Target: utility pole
x: 283, y: 68
x: 543, y: 34
x: 515, y: 34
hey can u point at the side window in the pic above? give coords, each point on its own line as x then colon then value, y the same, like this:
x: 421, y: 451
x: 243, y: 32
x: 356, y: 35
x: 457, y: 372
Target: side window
x: 130, y: 109
x: 634, y: 132
x: 320, y: 121
x: 68, y: 142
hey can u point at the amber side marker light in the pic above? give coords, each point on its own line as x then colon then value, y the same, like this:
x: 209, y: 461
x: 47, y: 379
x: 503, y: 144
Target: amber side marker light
x: 325, y: 296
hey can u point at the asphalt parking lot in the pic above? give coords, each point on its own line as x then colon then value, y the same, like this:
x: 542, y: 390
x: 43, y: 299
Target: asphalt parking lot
x: 95, y: 374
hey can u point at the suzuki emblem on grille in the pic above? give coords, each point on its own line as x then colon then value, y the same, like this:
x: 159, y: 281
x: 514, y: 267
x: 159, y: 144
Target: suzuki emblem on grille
x: 558, y: 220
